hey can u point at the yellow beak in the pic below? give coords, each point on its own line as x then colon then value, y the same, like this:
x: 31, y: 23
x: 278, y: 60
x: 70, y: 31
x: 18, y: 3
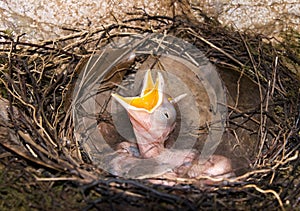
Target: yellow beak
x: 150, y: 98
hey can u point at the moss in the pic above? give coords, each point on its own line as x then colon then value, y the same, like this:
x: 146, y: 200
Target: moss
x: 20, y: 191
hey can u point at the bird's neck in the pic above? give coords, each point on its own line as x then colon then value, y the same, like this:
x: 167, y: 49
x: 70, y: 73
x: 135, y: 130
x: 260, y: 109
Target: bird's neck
x: 151, y: 140
x: 150, y: 150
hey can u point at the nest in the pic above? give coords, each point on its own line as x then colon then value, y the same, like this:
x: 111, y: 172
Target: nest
x: 40, y: 153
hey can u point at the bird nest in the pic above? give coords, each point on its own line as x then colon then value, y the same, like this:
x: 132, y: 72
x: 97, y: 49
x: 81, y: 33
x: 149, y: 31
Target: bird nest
x: 43, y: 159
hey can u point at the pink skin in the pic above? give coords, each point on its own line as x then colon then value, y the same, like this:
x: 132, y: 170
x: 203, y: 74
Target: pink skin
x: 152, y: 116
x: 151, y: 135
x: 150, y: 144
x: 152, y: 129
x: 216, y: 166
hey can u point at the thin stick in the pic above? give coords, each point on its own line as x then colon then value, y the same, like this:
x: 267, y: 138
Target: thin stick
x: 192, y: 32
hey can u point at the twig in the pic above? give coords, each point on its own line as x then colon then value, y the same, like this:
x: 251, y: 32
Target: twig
x: 276, y: 195
x: 192, y: 32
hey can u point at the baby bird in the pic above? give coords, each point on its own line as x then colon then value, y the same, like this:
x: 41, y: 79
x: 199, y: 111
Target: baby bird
x: 152, y: 115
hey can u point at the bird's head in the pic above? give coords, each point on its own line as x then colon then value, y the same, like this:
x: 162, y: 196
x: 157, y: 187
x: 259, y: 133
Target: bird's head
x: 152, y: 115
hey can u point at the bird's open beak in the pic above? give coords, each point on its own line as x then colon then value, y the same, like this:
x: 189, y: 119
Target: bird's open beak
x: 152, y: 115
x: 150, y: 98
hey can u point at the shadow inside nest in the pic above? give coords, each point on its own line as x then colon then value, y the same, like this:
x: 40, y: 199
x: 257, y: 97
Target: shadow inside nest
x: 261, y: 128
